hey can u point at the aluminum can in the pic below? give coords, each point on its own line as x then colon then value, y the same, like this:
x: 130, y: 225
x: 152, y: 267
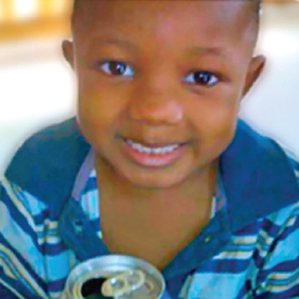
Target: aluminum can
x: 115, y: 276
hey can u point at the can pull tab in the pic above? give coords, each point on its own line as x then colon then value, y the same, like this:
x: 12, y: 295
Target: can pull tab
x: 123, y: 283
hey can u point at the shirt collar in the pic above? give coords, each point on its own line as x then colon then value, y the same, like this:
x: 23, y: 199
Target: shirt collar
x: 252, y: 170
x: 257, y: 178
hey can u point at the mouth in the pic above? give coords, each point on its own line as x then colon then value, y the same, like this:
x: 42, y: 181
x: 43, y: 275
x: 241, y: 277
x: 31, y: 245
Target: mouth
x: 153, y: 155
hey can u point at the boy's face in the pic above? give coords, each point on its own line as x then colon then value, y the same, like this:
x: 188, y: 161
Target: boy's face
x: 165, y: 75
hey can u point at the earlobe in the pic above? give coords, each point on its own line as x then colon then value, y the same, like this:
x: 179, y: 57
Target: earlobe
x: 256, y: 67
x: 67, y: 49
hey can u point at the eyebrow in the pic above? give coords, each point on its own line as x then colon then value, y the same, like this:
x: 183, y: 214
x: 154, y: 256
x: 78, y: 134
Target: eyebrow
x: 196, y: 51
x: 204, y: 51
x: 119, y: 42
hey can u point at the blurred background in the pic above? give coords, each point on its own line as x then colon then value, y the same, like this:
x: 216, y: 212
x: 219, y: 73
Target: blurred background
x: 37, y: 88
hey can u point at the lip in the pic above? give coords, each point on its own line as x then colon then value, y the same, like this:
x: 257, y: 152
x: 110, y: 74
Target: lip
x: 154, y: 160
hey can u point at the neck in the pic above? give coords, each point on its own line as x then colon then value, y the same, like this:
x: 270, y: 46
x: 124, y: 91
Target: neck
x: 153, y: 224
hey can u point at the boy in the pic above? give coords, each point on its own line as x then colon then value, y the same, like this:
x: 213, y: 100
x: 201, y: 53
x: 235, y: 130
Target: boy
x: 165, y: 171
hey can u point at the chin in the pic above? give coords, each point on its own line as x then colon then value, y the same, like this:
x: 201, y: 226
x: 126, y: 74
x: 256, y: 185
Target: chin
x: 156, y: 179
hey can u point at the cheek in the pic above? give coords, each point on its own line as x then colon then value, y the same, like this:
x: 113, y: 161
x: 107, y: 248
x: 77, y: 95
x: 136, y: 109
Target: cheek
x: 99, y: 109
x: 215, y: 122
x: 219, y: 132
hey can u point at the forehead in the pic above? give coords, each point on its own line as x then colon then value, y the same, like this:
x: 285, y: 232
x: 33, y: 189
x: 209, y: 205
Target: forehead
x: 92, y: 7
x: 166, y: 19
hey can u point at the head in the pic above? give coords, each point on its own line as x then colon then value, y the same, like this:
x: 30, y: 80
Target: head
x: 167, y: 74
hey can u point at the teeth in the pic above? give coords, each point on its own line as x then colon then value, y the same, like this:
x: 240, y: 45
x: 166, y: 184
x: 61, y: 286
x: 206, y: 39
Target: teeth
x: 157, y: 151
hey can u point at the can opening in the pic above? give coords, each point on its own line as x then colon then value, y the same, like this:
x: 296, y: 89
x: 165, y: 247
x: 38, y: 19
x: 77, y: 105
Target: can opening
x: 91, y: 289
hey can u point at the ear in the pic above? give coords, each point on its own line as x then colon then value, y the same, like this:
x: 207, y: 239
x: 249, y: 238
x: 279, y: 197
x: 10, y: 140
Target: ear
x: 255, y: 69
x: 68, y: 52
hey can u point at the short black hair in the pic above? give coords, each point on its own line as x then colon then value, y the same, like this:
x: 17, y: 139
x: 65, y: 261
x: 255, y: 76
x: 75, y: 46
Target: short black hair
x: 256, y: 8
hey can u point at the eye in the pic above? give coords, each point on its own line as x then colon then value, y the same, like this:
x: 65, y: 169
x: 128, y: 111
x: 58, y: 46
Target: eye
x: 116, y: 68
x: 202, y: 78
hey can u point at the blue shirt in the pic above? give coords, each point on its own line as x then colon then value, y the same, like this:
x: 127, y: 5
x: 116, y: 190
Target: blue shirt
x: 250, y: 248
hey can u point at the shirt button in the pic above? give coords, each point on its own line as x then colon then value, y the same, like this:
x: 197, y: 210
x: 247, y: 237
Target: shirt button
x: 207, y: 238
x: 78, y: 226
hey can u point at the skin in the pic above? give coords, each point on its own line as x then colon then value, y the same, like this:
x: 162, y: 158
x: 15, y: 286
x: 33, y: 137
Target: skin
x: 165, y: 44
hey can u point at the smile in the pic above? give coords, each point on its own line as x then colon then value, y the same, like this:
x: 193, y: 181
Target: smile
x: 153, y: 156
x: 152, y: 150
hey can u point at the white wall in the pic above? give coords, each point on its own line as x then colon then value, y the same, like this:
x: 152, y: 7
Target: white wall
x: 273, y: 105
x: 37, y: 87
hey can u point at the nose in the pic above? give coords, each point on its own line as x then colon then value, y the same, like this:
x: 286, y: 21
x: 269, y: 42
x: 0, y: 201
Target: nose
x: 155, y: 106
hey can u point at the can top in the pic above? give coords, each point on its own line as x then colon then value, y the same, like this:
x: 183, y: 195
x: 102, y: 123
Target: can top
x: 123, y: 283
x: 124, y: 277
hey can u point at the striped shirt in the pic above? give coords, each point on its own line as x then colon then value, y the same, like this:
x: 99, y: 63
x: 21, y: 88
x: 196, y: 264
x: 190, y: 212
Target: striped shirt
x: 39, y: 247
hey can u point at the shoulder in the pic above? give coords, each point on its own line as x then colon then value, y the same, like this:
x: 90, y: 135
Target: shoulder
x: 257, y: 170
x: 29, y: 243
x: 22, y: 219
x: 47, y: 163
x: 278, y: 256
